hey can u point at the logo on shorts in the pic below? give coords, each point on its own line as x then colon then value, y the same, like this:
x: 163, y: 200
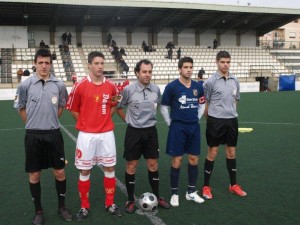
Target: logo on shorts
x: 78, y: 153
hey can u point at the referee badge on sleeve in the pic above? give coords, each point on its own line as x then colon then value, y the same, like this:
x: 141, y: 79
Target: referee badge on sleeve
x: 16, y: 98
x: 54, y: 100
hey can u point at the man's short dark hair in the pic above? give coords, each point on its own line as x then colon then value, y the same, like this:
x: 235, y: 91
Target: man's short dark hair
x: 94, y: 54
x: 137, y: 67
x: 184, y: 60
x: 222, y: 54
x: 43, y: 53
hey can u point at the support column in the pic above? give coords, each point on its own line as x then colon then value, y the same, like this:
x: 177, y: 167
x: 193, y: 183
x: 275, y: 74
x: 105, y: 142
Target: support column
x: 155, y: 39
x: 129, y: 36
x: 78, y: 38
x: 52, y: 30
x: 52, y: 38
x: 257, y: 40
x: 175, y: 36
x: 104, y: 33
x: 152, y: 37
x: 197, y: 37
x: 238, y: 38
x: 218, y: 37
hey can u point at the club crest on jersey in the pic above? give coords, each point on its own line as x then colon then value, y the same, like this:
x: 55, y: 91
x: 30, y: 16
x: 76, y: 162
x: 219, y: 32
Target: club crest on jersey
x: 97, y: 98
x: 195, y: 92
x: 54, y: 100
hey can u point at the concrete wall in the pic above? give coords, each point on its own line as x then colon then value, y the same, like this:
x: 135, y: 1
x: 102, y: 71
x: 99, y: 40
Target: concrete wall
x: 139, y: 35
x: 228, y: 38
x: 207, y: 37
x: 40, y: 33
x: 91, y: 36
x: 61, y: 30
x: 165, y: 36
x: 186, y: 37
x: 119, y: 35
x: 18, y: 36
x: 248, y: 39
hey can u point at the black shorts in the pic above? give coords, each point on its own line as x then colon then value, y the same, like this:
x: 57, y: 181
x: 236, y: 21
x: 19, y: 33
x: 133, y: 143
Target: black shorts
x: 44, y: 149
x: 141, y: 141
x: 221, y: 131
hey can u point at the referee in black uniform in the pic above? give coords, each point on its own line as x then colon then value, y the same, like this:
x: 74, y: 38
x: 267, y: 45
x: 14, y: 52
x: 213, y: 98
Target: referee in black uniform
x: 40, y: 100
x: 141, y: 100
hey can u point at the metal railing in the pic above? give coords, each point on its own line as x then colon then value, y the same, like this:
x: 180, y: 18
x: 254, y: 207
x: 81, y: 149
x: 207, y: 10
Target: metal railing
x: 263, y: 71
x: 279, y: 44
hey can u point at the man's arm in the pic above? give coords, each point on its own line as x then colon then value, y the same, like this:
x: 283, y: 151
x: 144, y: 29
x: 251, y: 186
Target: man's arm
x: 201, y: 109
x: 75, y: 115
x: 60, y: 111
x: 23, y: 114
x: 121, y: 114
x: 206, y: 109
x: 165, y: 113
x: 112, y: 110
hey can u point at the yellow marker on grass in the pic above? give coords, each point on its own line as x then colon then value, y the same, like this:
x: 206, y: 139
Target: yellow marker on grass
x: 244, y: 130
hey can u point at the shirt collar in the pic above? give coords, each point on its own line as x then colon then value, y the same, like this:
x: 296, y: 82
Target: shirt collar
x: 90, y: 80
x: 37, y: 79
x: 219, y: 76
x: 141, y: 87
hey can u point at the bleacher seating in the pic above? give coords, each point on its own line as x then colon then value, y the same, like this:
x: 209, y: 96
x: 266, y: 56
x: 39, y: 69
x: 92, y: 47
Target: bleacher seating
x: 245, y: 60
x: 290, y: 58
x: 6, y: 65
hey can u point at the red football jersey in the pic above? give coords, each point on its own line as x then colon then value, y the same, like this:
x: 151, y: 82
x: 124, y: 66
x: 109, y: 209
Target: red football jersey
x: 93, y: 103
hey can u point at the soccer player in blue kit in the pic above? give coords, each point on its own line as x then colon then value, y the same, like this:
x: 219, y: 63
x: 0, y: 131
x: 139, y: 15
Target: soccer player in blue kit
x: 185, y: 98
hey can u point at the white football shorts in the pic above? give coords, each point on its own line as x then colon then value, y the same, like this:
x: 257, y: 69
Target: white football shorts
x: 95, y: 149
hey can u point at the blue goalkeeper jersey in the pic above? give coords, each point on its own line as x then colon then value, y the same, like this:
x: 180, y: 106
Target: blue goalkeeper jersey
x: 183, y: 101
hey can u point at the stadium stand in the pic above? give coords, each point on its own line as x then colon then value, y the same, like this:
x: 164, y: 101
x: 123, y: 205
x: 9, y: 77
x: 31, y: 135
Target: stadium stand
x: 289, y: 58
x: 6, y: 65
x: 247, y: 62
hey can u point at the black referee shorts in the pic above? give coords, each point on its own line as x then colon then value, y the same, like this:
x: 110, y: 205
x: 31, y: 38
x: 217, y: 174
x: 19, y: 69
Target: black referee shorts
x: 221, y: 131
x: 44, y: 149
x: 141, y: 141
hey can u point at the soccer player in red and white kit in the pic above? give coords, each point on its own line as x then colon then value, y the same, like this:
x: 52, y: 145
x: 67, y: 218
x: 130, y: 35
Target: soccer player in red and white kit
x: 92, y: 103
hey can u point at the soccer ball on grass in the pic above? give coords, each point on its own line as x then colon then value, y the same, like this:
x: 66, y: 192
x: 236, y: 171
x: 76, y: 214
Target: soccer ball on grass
x: 148, y: 202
